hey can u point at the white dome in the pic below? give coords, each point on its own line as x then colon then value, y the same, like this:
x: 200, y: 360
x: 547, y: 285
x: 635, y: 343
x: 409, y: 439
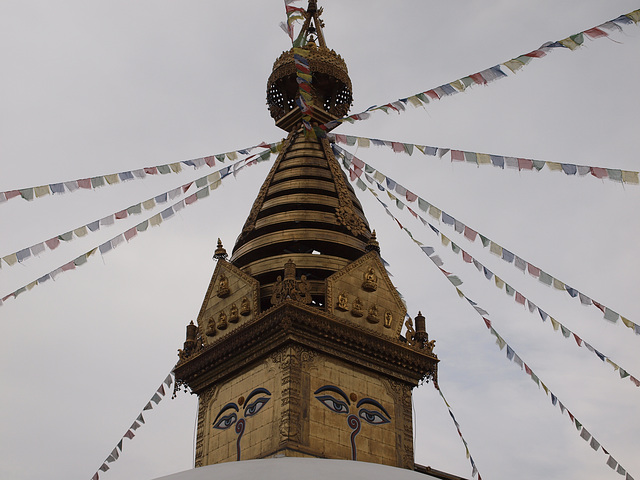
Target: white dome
x: 293, y: 468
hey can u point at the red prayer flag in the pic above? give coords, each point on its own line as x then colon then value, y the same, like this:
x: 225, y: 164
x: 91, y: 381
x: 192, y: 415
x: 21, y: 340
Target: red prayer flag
x: 291, y: 9
x: 595, y: 32
x: 599, y: 306
x: 151, y: 170
x: 466, y: 257
x: 487, y: 322
x: 52, y: 243
x: 186, y: 187
x: 412, y: 212
x: 397, y: 147
x: 535, y: 54
x: 479, y: 79
x: 358, y: 163
x: 129, y: 434
x: 535, y: 271
x: 525, y: 164
x: 190, y: 199
x: 457, y: 155
x: 84, y: 183
x: 341, y: 138
x: 634, y: 380
x: 527, y: 369
x: 578, y: 340
x: 11, y: 194
x: 398, y: 222
x: 211, y: 161
x: 520, y: 298
x: 129, y: 234
x: 599, y: 172
x: 432, y: 94
x: 68, y: 266
x: 95, y: 477
x: 411, y: 197
x: 122, y: 214
x: 160, y: 390
x: 470, y: 234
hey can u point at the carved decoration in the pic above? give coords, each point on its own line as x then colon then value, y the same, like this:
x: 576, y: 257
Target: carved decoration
x: 222, y: 321
x: 343, y: 302
x: 289, y: 288
x: 233, y: 314
x: 223, y: 286
x: 345, y: 212
x: 356, y: 308
x: 245, y: 307
x: 370, y: 280
x: 372, y: 317
x: 211, y: 327
x: 388, y: 319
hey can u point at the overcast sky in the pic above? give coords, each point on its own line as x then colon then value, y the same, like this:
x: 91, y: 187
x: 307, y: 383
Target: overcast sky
x: 91, y: 88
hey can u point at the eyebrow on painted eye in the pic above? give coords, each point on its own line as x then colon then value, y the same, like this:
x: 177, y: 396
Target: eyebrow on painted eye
x: 334, y: 389
x: 371, y: 401
x: 256, y: 392
x: 228, y: 406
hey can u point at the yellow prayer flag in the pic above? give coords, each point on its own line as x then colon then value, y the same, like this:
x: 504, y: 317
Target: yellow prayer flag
x: 627, y: 322
x: 458, y: 85
x: 445, y: 241
x: 415, y: 101
x: 554, y: 166
x: 41, y: 191
x: 215, y: 185
x: 379, y: 177
x: 155, y: 220
x: 635, y: 16
x: 80, y: 232
x: 149, y: 204
x: 460, y: 294
x: 546, y: 390
x: 555, y: 324
x: 391, y: 196
x: 483, y: 158
x: 214, y: 177
x: 176, y: 167
x: 32, y: 284
x: 558, y: 284
x: 627, y: 177
x: 495, y: 248
x: 499, y: 281
x: 569, y: 43
x: 232, y: 156
x: 615, y: 367
x: 91, y: 252
x: 363, y: 142
x: 11, y: 259
x: 514, y: 64
x: 111, y: 179
x: 435, y: 212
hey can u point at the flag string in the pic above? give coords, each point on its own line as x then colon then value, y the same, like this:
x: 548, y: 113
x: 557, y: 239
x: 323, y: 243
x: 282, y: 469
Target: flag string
x: 137, y: 423
x: 51, y: 244
x: 518, y: 296
x: 491, y: 74
x: 357, y: 167
x: 132, y: 232
x: 499, y: 161
x: 510, y: 352
x: 93, y: 183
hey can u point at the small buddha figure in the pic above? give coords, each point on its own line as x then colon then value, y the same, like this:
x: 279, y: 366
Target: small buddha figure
x: 370, y: 280
x: 388, y: 318
x: 233, y: 314
x: 222, y: 321
x: 211, y: 328
x: 342, y: 302
x: 372, y: 316
x: 223, y: 287
x: 356, y: 308
x: 245, y: 308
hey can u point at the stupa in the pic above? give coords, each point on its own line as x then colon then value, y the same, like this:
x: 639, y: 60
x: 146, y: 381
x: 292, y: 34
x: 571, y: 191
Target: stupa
x: 298, y: 349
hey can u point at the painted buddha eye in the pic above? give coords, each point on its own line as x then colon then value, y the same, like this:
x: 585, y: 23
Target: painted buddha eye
x: 225, y: 422
x: 372, y: 417
x: 255, y: 407
x: 333, y: 404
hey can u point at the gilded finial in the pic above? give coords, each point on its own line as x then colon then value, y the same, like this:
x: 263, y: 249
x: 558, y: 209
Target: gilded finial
x: 220, y: 252
x: 373, y: 244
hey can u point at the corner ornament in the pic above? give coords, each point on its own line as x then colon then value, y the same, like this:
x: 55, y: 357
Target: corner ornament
x: 290, y: 288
